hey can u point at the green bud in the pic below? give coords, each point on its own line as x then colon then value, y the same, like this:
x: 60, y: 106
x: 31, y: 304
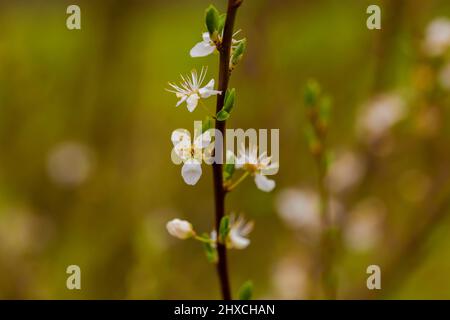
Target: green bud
x: 246, y: 291
x: 210, y: 251
x: 222, y: 115
x: 312, y: 92
x: 212, y: 21
x: 238, y: 53
x: 224, y: 228
x: 230, y: 97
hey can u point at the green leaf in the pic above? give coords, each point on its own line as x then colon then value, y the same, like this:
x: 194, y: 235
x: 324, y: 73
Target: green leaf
x: 222, y: 115
x: 207, y: 124
x: 246, y: 291
x: 212, y: 21
x: 224, y: 228
x: 210, y: 251
x: 230, y: 97
x: 229, y: 166
x: 222, y: 19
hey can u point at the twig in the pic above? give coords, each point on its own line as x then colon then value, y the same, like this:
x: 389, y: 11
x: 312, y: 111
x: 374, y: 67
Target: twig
x: 219, y: 191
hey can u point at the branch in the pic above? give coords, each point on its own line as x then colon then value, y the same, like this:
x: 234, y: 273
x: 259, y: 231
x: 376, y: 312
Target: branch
x: 219, y: 191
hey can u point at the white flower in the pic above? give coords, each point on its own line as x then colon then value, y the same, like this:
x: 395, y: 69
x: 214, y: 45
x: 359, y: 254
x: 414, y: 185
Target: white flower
x: 239, y: 229
x: 437, y: 38
x: 290, y: 278
x: 207, y: 46
x: 258, y: 166
x: 444, y: 77
x: 346, y: 171
x: 191, y: 91
x: 190, y: 153
x: 379, y: 115
x: 299, y: 208
x: 203, y: 48
x: 180, y: 229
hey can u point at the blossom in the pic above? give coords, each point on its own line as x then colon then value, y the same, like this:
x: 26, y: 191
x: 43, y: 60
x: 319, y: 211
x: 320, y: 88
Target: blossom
x: 379, y: 115
x: 346, y: 171
x: 437, y: 37
x: 257, y: 166
x: 191, y: 153
x: 239, y: 230
x: 180, y: 229
x: 207, y: 45
x: 191, y: 91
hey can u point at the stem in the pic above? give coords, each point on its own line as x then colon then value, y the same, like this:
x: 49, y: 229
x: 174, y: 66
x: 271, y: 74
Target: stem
x: 219, y: 191
x: 327, y: 248
x: 238, y: 181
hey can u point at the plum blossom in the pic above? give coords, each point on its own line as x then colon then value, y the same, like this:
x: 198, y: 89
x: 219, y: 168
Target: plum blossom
x: 239, y: 230
x: 191, y: 91
x: 207, y: 46
x: 346, y: 171
x: 257, y: 166
x: 180, y: 229
x: 380, y: 115
x: 437, y: 37
x: 191, y: 153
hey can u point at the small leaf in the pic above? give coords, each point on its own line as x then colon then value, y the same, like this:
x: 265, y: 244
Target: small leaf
x: 222, y: 115
x: 207, y: 124
x: 222, y: 19
x: 230, y: 97
x: 246, y: 291
x: 210, y: 251
x: 238, y: 52
x: 224, y: 228
x: 229, y: 166
x: 212, y: 20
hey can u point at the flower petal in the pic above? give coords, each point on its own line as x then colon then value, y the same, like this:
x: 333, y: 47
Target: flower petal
x: 192, y: 102
x: 208, y: 90
x: 203, y: 140
x: 263, y: 183
x: 183, y: 99
x: 191, y: 171
x: 202, y: 49
x: 237, y: 241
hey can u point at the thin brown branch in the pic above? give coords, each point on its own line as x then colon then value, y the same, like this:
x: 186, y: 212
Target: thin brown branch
x: 219, y: 191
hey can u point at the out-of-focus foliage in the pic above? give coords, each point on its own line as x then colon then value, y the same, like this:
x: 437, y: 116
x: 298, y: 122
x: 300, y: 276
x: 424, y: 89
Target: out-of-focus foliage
x: 85, y: 171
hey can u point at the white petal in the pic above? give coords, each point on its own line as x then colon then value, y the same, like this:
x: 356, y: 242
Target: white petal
x: 263, y: 183
x: 202, y: 49
x: 183, y: 99
x: 206, y: 38
x: 191, y: 171
x: 237, y: 241
x: 208, y: 90
x: 203, y: 140
x: 192, y: 102
x: 181, y: 229
x: 181, y: 137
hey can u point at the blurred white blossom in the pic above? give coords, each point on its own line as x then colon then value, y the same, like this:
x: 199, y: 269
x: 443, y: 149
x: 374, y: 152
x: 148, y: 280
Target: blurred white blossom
x: 379, y: 115
x: 290, y: 279
x: 364, y: 227
x: 437, y: 37
x: 239, y: 230
x: 444, y: 77
x: 69, y: 163
x: 345, y: 171
x: 207, y: 46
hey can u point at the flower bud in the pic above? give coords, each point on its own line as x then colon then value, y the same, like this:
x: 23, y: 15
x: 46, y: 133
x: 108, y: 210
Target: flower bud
x: 238, y: 53
x: 180, y: 229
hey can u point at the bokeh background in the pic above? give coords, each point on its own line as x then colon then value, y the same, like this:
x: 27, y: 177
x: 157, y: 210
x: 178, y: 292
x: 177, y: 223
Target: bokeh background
x: 85, y: 170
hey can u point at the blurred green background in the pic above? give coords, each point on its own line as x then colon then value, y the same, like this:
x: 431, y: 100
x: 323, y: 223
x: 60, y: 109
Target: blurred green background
x: 85, y: 170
